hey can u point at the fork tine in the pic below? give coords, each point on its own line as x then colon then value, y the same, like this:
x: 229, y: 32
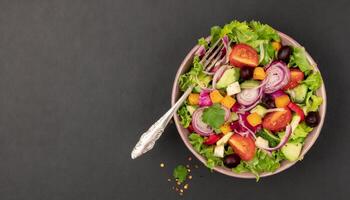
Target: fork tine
x: 218, y: 57
x: 215, y: 54
x: 209, y: 51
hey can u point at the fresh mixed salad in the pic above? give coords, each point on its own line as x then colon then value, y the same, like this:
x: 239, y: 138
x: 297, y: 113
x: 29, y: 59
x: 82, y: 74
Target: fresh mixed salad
x: 256, y: 106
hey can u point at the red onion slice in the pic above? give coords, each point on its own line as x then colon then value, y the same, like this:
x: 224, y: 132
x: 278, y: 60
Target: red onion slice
x: 204, y: 98
x: 248, y: 96
x: 277, y: 93
x: 227, y: 113
x: 278, y: 76
x: 201, y: 51
x: 283, y: 141
x: 198, y: 125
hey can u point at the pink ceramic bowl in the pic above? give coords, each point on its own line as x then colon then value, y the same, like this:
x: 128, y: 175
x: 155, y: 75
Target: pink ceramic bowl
x: 184, y: 67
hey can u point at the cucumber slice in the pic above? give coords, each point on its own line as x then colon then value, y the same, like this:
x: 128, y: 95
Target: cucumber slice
x: 292, y: 151
x: 260, y: 110
x: 298, y: 94
x: 229, y: 76
x: 250, y: 84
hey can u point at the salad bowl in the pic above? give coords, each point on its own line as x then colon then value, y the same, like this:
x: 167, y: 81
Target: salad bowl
x: 308, y: 143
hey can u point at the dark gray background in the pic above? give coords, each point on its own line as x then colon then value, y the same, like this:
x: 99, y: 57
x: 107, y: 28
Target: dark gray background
x: 80, y: 80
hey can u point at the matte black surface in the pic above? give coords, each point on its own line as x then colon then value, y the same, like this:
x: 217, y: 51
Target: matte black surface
x: 81, y: 80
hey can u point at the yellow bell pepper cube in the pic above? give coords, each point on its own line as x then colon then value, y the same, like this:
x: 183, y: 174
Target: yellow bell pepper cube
x: 254, y: 119
x: 215, y: 96
x: 193, y: 99
x: 276, y: 46
x: 259, y: 73
x: 225, y: 128
x: 282, y: 101
x: 228, y: 102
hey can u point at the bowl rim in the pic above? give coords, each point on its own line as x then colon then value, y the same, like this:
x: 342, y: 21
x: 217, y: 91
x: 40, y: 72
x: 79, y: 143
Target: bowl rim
x: 306, y: 147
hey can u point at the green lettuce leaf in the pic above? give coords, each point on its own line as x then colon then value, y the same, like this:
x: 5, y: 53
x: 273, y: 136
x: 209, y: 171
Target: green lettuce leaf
x: 180, y: 173
x: 206, y: 151
x: 313, y: 81
x: 215, y: 33
x: 298, y: 58
x: 300, y: 132
x: 195, y: 76
x: 312, y: 102
x: 196, y: 141
x: 185, y: 116
x: 214, y: 116
x: 203, y: 42
x: 260, y: 163
x: 264, y: 31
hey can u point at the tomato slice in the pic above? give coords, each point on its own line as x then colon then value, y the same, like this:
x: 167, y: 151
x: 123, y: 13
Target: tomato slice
x: 296, y: 76
x: 276, y: 121
x: 243, y: 146
x: 294, y: 107
x: 243, y: 55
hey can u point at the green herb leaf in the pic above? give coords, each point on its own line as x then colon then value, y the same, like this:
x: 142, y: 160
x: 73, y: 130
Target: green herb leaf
x: 180, y: 173
x: 214, y: 116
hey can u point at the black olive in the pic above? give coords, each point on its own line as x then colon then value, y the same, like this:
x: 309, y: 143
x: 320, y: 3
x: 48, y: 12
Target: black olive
x: 247, y: 73
x: 284, y: 53
x: 268, y: 101
x: 232, y: 160
x: 312, y: 119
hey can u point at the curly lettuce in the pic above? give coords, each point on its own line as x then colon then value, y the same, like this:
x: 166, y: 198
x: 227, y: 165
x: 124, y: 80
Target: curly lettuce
x: 185, y: 116
x: 299, y: 59
x: 206, y: 151
x: 194, y: 77
x: 261, y: 162
x: 313, y: 81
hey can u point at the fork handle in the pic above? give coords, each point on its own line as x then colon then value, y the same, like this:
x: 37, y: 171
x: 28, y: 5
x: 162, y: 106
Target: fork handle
x: 149, y: 138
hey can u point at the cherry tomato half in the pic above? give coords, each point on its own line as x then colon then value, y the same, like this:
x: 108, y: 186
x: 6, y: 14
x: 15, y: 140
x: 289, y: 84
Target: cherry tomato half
x: 276, y: 121
x: 243, y: 55
x: 296, y: 76
x: 243, y: 146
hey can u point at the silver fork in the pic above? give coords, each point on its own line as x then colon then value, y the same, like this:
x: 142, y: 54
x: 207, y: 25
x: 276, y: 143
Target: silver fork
x: 149, y: 138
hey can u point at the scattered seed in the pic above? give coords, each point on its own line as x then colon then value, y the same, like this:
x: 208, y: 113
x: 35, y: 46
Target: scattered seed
x: 186, y: 186
x: 190, y: 177
x: 181, y: 190
x: 181, y: 193
x: 169, y: 179
x: 189, y: 158
x: 188, y: 166
x: 188, y: 170
x: 173, y: 188
x: 178, y: 183
x: 162, y: 165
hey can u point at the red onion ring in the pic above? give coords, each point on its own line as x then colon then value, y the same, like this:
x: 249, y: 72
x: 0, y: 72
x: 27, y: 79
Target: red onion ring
x: 278, y: 76
x: 227, y: 112
x: 283, y: 141
x: 198, y: 125
x: 248, y: 96
x: 241, y: 122
x: 201, y: 51
x: 277, y: 93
